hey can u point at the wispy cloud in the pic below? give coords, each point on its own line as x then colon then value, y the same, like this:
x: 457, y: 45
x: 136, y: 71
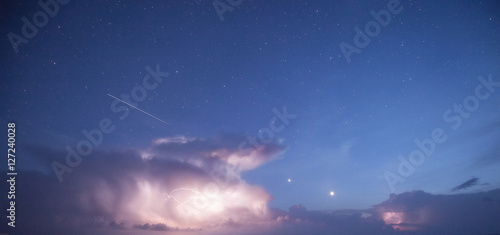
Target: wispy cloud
x: 467, y: 184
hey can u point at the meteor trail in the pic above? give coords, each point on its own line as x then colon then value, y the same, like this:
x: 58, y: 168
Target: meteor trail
x: 139, y: 109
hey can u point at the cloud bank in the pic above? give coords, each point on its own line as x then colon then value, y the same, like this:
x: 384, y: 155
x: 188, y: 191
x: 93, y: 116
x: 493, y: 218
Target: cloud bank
x: 423, y: 213
x: 181, y: 185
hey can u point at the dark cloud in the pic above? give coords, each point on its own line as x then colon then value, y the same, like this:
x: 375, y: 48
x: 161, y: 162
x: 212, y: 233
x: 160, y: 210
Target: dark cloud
x: 299, y: 220
x: 154, y: 227
x: 467, y: 184
x: 424, y: 213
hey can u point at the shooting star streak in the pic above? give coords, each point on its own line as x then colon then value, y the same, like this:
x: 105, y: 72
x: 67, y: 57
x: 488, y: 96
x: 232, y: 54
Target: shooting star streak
x: 139, y: 110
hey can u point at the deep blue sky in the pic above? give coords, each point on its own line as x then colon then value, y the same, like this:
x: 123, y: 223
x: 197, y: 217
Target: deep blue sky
x: 352, y: 120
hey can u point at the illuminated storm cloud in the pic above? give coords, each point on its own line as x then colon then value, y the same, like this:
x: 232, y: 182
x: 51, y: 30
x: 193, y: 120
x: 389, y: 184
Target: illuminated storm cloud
x: 442, y: 214
x: 175, y: 183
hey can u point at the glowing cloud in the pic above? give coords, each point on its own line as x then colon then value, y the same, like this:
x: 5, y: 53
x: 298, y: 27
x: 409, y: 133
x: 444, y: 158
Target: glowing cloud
x: 176, y: 182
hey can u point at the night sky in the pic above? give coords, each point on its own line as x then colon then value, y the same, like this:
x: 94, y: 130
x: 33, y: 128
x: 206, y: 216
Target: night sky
x: 251, y: 117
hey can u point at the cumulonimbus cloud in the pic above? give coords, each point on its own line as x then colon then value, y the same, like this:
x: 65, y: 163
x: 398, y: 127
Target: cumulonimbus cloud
x: 177, y: 182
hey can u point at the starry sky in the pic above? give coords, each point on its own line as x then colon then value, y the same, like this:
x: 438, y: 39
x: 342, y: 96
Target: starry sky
x: 288, y: 100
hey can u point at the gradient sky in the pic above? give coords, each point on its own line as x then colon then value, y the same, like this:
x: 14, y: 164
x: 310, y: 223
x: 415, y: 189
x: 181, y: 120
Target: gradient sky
x: 352, y: 119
